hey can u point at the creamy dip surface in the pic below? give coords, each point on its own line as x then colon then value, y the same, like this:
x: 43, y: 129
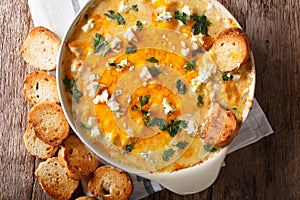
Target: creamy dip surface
x: 141, y: 81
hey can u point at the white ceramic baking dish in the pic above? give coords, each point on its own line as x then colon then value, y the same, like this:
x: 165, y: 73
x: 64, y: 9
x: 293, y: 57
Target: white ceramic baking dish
x: 184, y: 181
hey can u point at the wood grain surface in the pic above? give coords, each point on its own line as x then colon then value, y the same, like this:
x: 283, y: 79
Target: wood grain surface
x: 268, y: 169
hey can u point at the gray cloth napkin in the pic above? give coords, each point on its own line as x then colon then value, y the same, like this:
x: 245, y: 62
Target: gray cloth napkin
x: 57, y: 15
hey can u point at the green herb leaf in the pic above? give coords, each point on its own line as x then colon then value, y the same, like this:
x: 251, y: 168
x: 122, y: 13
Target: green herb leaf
x: 86, y: 126
x: 201, y: 25
x: 72, y: 86
x: 152, y: 60
x: 199, y: 100
x: 131, y: 49
x: 168, y: 154
x: 67, y: 82
x: 99, y: 42
x: 129, y: 147
x: 154, y: 71
x: 209, y: 148
x: 161, y: 123
x: 227, y: 77
x: 181, y: 87
x: 144, y: 100
x: 135, y: 7
x: 176, y: 126
x: 181, y: 145
x: 234, y: 109
x: 86, y: 16
x: 189, y: 66
x: 115, y: 16
x: 182, y: 17
x: 195, y: 52
x: 146, y: 116
x: 139, y: 25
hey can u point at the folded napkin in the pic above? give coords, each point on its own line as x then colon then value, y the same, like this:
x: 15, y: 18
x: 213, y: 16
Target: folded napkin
x: 57, y: 15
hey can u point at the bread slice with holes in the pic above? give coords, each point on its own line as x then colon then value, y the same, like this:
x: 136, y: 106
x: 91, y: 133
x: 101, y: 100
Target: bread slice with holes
x: 54, y: 180
x: 231, y: 49
x: 49, y: 122
x: 79, y: 161
x: 37, y: 147
x: 39, y: 86
x: 110, y: 183
x: 40, y: 49
x: 220, y: 128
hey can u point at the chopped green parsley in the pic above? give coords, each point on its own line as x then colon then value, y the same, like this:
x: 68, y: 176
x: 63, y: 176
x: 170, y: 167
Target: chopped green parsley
x: 201, y: 25
x: 115, y: 16
x: 168, y: 154
x: 181, y: 16
x: 139, y: 25
x: 131, y: 49
x: 181, y: 87
x: 152, y: 60
x: 72, y: 86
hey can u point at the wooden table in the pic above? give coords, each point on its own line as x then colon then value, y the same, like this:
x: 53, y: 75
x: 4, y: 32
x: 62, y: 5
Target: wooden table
x: 268, y: 169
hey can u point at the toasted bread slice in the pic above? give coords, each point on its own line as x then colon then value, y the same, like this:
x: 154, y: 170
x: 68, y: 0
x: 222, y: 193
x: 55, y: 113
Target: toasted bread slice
x: 54, y: 180
x: 37, y: 147
x: 40, y: 49
x: 79, y: 161
x: 49, y: 123
x: 86, y: 198
x: 231, y: 49
x: 110, y: 183
x: 220, y: 128
x: 39, y: 86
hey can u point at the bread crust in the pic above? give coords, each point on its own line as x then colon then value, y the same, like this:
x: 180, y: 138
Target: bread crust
x: 54, y: 180
x: 78, y: 160
x: 49, y: 122
x: 85, y: 198
x: 39, y: 86
x: 231, y: 49
x: 229, y: 128
x: 37, y: 147
x: 40, y: 49
x: 110, y: 183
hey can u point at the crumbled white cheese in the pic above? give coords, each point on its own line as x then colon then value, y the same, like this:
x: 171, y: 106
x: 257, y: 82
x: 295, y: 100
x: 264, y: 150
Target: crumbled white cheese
x: 128, y: 98
x: 95, y: 131
x: 116, y: 43
x: 209, y: 6
x: 119, y: 92
x: 186, y: 9
x: 145, y: 74
x: 185, y: 52
x: 93, y: 77
x: 236, y: 77
x: 88, y: 26
x: 182, y: 43
x: 164, y: 16
x: 164, y: 36
x: 76, y: 50
x: 198, y: 38
x: 129, y: 131
x: 76, y: 65
x: 93, y: 89
x: 168, y: 108
x: 102, y: 98
x: 129, y: 35
x: 173, y: 48
x: 194, y: 45
x: 124, y: 63
x: 92, y: 121
x: 131, y: 68
x: 123, y: 7
x: 192, y: 127
x: 113, y: 104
